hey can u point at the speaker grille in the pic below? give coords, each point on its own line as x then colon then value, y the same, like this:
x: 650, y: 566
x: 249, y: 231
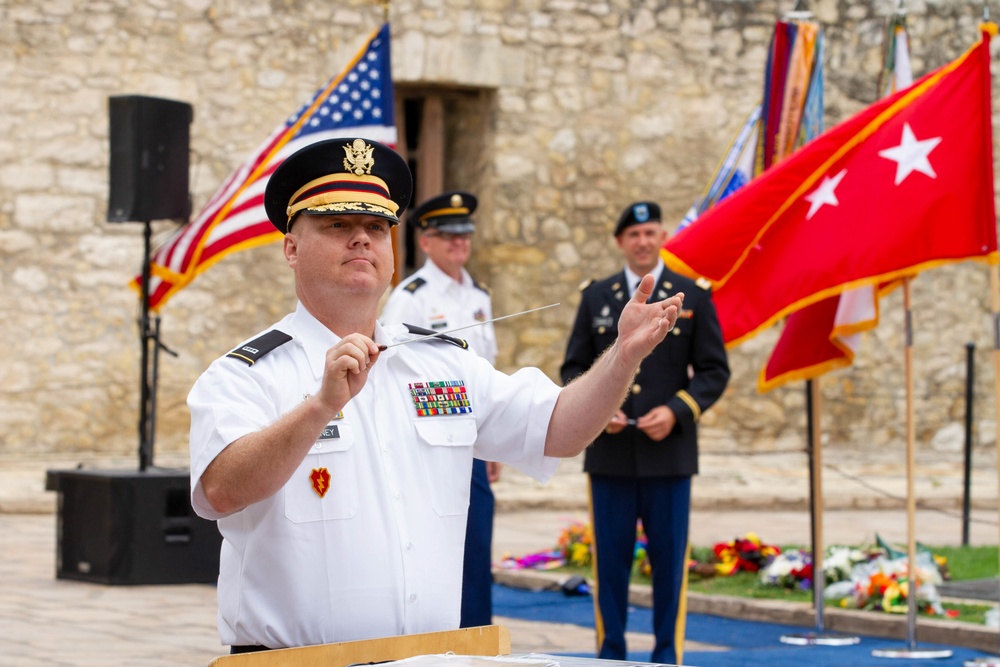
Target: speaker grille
x: 149, y: 163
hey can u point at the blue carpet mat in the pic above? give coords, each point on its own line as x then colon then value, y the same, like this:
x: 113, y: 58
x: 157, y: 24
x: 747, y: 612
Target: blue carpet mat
x: 748, y: 643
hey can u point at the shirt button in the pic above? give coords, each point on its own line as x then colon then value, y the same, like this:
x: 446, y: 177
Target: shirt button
x: 409, y: 546
x: 413, y: 597
x: 450, y: 437
x: 396, y: 495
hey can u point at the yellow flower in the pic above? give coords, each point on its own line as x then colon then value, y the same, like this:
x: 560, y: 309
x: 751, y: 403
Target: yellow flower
x: 579, y: 554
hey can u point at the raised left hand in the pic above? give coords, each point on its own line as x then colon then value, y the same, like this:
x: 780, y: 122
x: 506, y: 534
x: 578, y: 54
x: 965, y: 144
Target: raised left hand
x: 642, y: 326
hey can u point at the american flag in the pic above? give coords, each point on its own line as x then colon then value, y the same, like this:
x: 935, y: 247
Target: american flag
x: 357, y: 102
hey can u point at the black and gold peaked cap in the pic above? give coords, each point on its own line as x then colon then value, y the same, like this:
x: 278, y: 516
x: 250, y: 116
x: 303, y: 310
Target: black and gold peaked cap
x: 343, y: 176
x: 449, y: 212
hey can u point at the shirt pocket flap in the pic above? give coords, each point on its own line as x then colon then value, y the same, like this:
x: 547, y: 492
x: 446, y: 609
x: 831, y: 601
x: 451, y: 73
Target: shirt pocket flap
x: 447, y: 432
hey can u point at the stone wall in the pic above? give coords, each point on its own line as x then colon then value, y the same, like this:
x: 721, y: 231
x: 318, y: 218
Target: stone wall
x: 591, y: 105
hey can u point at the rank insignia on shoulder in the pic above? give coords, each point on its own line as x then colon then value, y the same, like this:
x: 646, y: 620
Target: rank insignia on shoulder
x: 415, y: 284
x: 586, y: 283
x: 252, y: 351
x: 433, y: 335
x: 444, y: 397
x: 703, y: 283
x: 481, y: 287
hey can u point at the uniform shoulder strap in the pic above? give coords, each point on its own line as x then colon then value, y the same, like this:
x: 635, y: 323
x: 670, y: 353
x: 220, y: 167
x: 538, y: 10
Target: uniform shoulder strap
x: 252, y: 351
x: 415, y: 284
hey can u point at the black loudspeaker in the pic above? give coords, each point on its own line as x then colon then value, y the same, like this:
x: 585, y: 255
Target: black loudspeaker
x: 150, y: 159
x: 131, y: 527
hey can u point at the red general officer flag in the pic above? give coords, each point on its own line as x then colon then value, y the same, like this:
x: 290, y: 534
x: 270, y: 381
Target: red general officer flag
x: 826, y: 335
x: 905, y: 185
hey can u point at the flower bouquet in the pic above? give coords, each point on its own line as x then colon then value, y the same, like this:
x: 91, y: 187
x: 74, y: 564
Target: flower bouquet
x: 746, y: 554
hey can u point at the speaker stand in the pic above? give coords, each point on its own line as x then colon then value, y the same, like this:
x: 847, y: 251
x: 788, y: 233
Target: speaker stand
x: 149, y: 335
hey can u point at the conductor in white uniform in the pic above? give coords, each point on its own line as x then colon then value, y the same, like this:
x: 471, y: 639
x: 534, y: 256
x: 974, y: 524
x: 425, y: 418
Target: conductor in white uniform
x: 337, y: 466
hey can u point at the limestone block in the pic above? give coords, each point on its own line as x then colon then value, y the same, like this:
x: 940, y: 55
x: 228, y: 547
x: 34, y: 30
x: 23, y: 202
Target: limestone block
x: 513, y: 167
x: 14, y: 242
x: 56, y: 213
x: 26, y: 176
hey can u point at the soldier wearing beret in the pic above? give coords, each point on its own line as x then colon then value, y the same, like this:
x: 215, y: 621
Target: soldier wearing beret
x: 442, y: 295
x: 640, y: 466
x: 336, y: 454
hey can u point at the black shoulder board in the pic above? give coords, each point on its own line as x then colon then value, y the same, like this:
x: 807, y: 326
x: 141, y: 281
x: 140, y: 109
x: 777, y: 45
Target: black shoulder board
x: 252, y: 351
x: 415, y: 284
x: 481, y: 287
x: 433, y: 335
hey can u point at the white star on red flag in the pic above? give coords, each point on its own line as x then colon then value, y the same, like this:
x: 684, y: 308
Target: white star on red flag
x: 824, y: 194
x: 911, y: 155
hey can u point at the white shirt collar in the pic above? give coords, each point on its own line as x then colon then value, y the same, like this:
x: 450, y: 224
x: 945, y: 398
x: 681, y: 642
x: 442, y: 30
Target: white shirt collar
x: 632, y: 279
x: 316, y: 339
x: 439, y: 277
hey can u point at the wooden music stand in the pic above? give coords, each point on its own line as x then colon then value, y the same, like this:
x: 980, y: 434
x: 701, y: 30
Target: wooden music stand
x: 487, y: 640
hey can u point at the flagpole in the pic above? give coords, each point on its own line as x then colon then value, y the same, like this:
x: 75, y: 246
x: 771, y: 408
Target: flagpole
x: 912, y: 577
x: 814, y: 433
x: 993, y: 660
x: 818, y: 544
x: 910, y: 651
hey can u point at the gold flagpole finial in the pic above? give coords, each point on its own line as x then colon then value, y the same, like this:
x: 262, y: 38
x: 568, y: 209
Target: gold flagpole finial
x: 385, y: 10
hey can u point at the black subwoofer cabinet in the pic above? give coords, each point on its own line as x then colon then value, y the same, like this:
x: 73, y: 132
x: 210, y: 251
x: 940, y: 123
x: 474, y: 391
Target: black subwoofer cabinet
x: 131, y: 527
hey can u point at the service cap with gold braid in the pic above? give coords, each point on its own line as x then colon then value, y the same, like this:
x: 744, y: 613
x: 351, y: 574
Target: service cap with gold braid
x: 448, y: 212
x: 339, y: 177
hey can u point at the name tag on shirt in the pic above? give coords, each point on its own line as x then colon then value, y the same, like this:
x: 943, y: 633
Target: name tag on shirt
x: 330, y: 432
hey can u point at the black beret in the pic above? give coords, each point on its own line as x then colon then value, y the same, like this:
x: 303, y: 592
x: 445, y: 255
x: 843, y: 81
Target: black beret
x: 638, y: 213
x: 339, y: 177
x: 449, y: 212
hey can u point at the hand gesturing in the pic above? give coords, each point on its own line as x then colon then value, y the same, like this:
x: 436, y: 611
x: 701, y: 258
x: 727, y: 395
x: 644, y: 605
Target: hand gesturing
x: 643, y: 325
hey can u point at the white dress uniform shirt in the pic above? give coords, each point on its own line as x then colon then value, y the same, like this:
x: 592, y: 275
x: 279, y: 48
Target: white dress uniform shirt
x: 442, y: 303
x: 380, y: 553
